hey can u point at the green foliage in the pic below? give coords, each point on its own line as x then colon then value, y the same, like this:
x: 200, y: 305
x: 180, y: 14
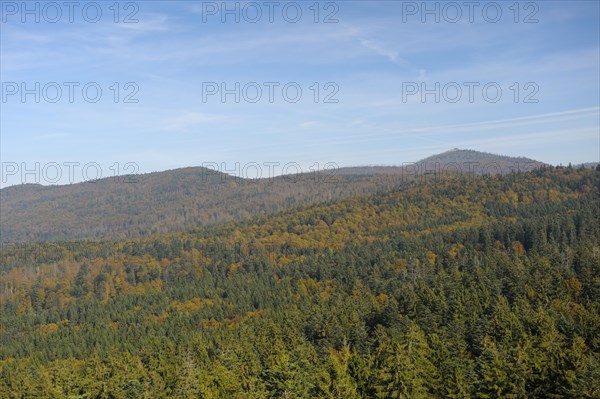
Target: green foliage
x: 456, y: 288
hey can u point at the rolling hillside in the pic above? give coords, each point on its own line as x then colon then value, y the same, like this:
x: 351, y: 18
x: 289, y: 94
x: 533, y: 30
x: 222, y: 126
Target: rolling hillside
x: 467, y: 288
x: 183, y: 199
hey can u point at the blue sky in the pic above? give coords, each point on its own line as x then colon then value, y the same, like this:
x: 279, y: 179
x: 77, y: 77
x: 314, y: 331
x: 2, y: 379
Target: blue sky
x: 370, y: 57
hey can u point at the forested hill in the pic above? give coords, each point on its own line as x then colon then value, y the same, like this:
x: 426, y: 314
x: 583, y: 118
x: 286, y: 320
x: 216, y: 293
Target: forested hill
x: 484, y: 287
x: 177, y: 200
x: 183, y: 199
x: 478, y: 162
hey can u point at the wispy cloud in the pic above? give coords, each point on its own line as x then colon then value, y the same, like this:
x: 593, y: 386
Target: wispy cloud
x: 50, y: 136
x: 149, y: 23
x: 390, y: 54
x: 187, y: 119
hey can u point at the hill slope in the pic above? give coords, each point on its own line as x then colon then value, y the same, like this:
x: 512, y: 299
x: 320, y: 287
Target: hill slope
x: 176, y: 200
x: 477, y: 287
x: 183, y: 199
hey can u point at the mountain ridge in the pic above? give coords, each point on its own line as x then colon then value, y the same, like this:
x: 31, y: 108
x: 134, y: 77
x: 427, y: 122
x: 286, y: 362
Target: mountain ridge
x: 450, y: 156
x: 187, y: 198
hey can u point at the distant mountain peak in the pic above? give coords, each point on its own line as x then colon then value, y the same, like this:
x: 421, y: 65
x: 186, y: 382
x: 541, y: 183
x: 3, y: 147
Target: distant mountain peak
x: 468, y: 153
x: 477, y: 162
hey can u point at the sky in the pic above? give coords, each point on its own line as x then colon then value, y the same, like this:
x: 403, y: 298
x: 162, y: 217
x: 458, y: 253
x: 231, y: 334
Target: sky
x: 96, y: 89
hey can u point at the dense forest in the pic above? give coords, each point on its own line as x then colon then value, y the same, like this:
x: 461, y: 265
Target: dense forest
x: 123, y: 207
x: 456, y: 287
